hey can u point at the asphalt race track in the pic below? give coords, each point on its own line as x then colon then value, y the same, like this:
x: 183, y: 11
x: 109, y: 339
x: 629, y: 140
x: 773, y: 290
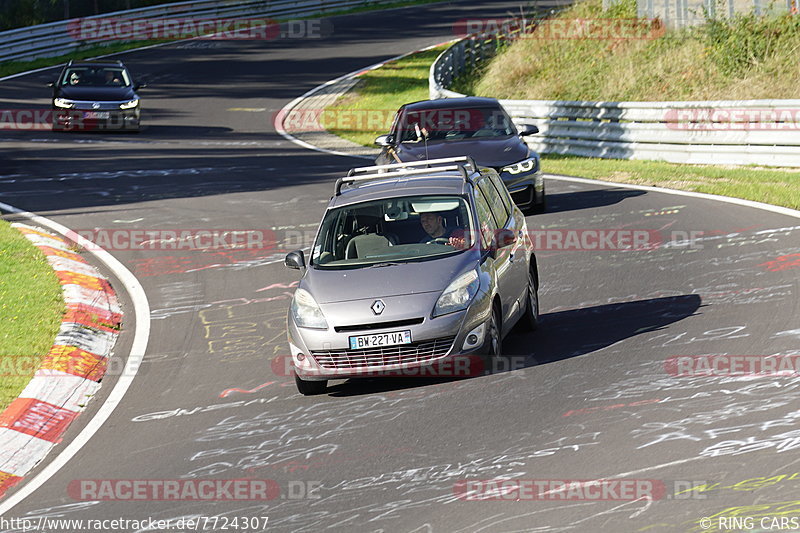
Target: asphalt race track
x: 589, y: 396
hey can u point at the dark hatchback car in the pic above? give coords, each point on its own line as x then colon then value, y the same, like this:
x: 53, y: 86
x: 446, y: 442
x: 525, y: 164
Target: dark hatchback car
x: 96, y: 95
x: 473, y: 126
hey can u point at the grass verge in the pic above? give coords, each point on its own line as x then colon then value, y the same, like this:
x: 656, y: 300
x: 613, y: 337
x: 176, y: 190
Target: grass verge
x: 406, y: 80
x: 377, y: 95
x: 31, y: 309
x: 742, y: 58
x: 777, y: 187
x: 15, y: 67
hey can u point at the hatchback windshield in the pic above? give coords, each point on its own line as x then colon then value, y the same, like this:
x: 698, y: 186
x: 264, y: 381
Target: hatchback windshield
x: 414, y: 228
x: 454, y: 124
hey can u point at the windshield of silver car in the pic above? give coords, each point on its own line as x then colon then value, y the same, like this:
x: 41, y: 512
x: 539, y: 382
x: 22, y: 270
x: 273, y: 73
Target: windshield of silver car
x: 414, y: 228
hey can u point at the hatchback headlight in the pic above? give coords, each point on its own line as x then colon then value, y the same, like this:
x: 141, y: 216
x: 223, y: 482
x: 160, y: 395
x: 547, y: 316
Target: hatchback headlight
x: 458, y: 294
x: 306, y: 312
x: 523, y: 166
x: 129, y: 105
x: 63, y: 103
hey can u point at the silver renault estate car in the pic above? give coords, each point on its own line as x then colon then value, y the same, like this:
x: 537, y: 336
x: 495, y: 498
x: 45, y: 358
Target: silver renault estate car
x: 413, y: 264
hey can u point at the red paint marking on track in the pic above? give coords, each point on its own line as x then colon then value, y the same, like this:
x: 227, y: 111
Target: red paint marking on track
x: 227, y: 392
x: 291, y: 285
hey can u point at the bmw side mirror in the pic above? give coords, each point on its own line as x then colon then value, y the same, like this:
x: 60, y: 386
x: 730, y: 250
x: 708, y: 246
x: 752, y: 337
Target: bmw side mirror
x: 139, y: 86
x: 528, y: 130
x: 384, y: 141
x: 295, y: 260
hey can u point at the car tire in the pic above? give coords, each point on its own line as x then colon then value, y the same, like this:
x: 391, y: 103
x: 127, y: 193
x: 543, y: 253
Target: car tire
x: 531, y: 319
x: 310, y: 388
x: 539, y: 204
x: 540, y: 207
x: 494, y: 338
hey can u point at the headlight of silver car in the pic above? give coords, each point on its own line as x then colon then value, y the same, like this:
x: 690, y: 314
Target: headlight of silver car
x: 523, y: 166
x: 306, y: 312
x: 458, y: 294
x: 129, y: 105
x: 63, y: 103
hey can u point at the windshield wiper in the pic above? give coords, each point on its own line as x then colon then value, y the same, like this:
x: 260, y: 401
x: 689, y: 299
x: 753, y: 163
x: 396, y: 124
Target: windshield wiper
x: 385, y: 264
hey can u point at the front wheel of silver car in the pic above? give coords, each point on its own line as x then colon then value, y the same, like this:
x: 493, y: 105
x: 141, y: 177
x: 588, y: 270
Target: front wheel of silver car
x: 531, y: 318
x: 310, y: 388
x: 494, y: 341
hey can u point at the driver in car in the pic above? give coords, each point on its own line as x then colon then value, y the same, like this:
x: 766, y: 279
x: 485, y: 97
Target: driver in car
x: 433, y: 224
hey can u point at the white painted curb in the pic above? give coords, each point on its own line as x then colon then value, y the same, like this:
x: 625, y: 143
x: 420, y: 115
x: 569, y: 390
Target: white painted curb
x: 141, y: 333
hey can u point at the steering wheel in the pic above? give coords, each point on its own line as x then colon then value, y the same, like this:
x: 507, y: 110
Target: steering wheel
x: 439, y: 240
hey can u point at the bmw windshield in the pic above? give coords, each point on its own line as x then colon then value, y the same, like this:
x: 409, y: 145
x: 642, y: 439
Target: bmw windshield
x: 396, y: 230
x: 454, y: 124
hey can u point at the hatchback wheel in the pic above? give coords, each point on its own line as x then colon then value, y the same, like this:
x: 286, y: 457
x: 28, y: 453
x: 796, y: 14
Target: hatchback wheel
x: 494, y: 342
x: 531, y: 318
x: 310, y: 388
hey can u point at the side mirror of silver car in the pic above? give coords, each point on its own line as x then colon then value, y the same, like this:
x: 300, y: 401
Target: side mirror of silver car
x: 295, y: 260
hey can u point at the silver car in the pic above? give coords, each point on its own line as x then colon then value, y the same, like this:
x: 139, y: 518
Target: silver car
x: 414, y: 265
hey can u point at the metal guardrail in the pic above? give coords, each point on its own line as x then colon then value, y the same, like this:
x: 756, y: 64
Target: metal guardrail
x: 55, y: 38
x: 745, y: 132
x: 682, y: 13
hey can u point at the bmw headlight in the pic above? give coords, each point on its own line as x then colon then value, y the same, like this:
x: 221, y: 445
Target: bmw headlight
x: 63, y: 103
x: 129, y: 105
x: 526, y: 165
x: 458, y: 294
x: 306, y: 312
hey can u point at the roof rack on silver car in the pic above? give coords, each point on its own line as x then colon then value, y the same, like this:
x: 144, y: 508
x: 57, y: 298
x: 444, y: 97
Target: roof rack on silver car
x: 399, y: 170
x: 465, y: 159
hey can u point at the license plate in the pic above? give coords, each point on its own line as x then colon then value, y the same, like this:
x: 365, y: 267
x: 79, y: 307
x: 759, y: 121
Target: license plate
x: 380, y: 339
x: 97, y: 115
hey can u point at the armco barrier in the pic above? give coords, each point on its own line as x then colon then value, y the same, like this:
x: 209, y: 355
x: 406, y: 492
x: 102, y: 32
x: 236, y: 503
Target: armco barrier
x: 47, y: 40
x: 745, y: 132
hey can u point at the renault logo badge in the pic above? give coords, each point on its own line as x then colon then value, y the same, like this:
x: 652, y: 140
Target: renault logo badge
x: 378, y: 306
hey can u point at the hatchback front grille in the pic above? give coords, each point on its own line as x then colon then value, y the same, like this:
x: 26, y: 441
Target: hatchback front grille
x: 380, y: 325
x: 385, y: 355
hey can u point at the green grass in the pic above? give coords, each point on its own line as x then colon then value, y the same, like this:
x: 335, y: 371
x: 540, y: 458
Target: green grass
x: 406, y: 80
x: 747, y: 57
x: 367, y: 110
x: 14, y: 67
x: 31, y: 309
x: 778, y: 187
